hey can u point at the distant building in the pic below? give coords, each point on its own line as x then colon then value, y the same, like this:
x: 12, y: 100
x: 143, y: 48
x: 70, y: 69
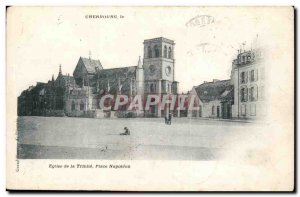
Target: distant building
x: 79, y: 95
x: 213, y: 99
x: 248, y: 77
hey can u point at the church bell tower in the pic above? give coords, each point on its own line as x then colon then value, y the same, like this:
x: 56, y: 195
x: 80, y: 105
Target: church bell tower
x: 159, y: 66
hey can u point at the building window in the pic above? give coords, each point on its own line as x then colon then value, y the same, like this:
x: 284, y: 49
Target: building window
x: 73, y: 106
x: 149, y: 52
x: 213, y: 110
x: 156, y: 50
x: 165, y: 51
x: 243, y: 77
x: 252, y: 77
x: 81, y: 106
x: 170, y: 53
x: 253, y: 95
x: 244, y: 94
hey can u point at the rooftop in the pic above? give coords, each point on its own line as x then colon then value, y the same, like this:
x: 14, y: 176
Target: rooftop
x: 210, y: 91
x: 91, y: 65
x: 160, y: 39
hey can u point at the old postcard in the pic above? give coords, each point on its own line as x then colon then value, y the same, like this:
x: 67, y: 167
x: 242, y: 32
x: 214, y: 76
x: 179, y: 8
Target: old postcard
x: 150, y: 98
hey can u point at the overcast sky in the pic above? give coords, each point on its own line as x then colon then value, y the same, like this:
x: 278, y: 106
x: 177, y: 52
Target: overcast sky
x: 40, y: 39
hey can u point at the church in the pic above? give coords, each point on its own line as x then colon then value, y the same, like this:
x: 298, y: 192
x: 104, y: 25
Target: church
x: 79, y: 95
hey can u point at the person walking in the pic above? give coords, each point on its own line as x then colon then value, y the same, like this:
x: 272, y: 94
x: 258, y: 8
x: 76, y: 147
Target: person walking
x: 170, y: 118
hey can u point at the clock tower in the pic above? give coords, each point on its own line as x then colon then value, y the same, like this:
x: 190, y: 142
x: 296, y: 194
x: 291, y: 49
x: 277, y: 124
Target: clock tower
x: 158, y: 66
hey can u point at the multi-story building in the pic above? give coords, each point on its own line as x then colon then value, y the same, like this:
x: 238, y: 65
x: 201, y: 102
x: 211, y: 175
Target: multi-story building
x: 248, y: 77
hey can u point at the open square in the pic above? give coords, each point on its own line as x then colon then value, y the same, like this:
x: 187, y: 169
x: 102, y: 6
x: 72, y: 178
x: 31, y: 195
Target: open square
x: 87, y: 138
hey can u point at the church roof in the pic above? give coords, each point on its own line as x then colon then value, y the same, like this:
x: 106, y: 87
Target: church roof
x: 71, y: 78
x: 117, y: 72
x: 218, y: 90
x: 91, y: 64
x: 111, y: 79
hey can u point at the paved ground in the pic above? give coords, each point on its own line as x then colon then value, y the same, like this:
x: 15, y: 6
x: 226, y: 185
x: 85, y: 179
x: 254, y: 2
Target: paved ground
x: 85, y: 138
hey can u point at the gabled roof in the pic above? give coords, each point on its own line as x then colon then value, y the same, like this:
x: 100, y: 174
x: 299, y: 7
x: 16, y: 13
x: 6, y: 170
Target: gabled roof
x: 217, y: 90
x: 91, y: 65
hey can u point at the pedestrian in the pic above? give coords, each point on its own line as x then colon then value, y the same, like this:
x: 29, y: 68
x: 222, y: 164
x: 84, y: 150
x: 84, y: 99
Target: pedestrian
x: 166, y: 119
x: 127, y: 131
x: 170, y: 118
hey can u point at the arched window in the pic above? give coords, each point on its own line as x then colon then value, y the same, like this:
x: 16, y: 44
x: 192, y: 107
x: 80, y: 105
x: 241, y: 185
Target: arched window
x: 149, y: 52
x: 156, y: 50
x: 165, y: 51
x: 81, y: 106
x: 170, y: 53
x: 73, y: 105
x: 213, y: 110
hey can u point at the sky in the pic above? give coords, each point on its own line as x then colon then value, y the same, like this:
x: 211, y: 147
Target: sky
x: 39, y: 39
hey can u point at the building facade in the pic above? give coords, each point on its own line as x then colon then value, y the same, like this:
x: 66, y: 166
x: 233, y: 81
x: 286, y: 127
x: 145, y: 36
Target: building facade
x: 248, y: 77
x: 212, y: 99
